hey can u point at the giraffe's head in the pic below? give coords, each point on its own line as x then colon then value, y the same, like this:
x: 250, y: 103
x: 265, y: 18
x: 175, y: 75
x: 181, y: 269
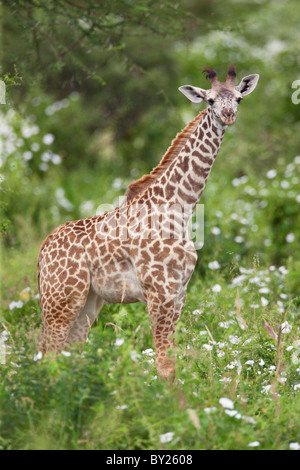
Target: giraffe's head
x: 223, y: 97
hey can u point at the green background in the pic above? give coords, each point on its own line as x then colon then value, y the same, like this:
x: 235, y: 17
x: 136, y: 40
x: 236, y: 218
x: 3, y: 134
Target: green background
x: 92, y: 103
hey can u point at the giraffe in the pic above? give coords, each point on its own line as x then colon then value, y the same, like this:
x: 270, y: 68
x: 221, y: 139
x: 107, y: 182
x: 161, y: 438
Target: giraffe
x: 142, y: 250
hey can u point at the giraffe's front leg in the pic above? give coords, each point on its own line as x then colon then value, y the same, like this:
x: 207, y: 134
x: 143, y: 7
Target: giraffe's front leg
x: 164, y: 313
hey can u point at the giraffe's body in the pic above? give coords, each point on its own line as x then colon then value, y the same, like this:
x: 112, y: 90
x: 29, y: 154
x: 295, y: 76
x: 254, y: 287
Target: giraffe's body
x: 140, y: 251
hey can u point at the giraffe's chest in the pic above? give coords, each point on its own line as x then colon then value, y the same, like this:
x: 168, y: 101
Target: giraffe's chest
x: 122, y: 273
x: 117, y: 282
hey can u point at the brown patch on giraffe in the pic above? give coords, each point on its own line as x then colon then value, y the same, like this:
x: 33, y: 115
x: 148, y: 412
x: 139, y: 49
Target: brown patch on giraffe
x: 176, y: 176
x: 158, y: 191
x: 155, y: 248
x: 184, y: 164
x: 199, y: 171
x: 180, y: 252
x: 188, y: 199
x: 170, y: 190
x: 210, y: 144
x: 187, y: 185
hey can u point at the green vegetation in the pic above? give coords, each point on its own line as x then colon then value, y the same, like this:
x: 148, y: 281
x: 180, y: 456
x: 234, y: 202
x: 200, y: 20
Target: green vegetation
x: 88, y: 113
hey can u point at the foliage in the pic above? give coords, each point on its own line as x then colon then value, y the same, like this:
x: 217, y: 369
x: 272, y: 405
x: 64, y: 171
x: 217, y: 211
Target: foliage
x: 107, y: 395
x: 95, y: 107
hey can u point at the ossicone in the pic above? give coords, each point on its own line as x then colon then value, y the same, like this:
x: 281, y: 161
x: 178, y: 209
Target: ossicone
x: 210, y: 74
x: 231, y: 75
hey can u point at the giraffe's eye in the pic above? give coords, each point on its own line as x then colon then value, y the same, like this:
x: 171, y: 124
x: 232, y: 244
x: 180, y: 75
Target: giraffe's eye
x: 210, y: 101
x: 238, y: 100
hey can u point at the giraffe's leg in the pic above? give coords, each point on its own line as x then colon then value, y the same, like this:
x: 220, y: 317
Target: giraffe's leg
x: 63, y: 294
x: 164, y: 314
x: 85, y: 319
x: 58, y: 320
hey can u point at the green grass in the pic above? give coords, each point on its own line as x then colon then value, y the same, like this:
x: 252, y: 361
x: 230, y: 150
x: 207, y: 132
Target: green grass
x: 106, y: 394
x: 231, y: 348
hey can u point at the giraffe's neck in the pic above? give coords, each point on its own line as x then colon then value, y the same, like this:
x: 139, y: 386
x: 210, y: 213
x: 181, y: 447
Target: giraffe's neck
x: 167, y: 204
x: 184, y: 180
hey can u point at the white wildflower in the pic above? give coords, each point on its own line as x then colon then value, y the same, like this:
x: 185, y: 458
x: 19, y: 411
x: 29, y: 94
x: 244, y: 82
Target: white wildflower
x: 216, y: 288
x: 233, y: 413
x: 87, y: 207
x: 66, y: 353
x: 43, y: 166
x: 285, y: 184
x: 56, y: 159
x: 46, y: 156
x: 234, y: 339
x: 266, y: 389
x: 4, y: 335
x: 254, y: 444
x: 149, y: 352
x: 119, y: 342
x: 225, y: 324
x: 226, y: 403
x: 167, y: 437
x: 14, y: 304
x: 48, y: 139
x: 286, y: 327
x: 250, y: 363
x: 271, y: 174
x: 35, y: 147
x: 134, y: 355
x: 264, y: 290
x: 117, y: 183
x: 249, y: 419
x: 214, y: 265
x: 290, y: 238
x: 294, y: 446
x: 282, y: 380
x: 297, y: 159
x: 210, y: 409
x: 27, y: 155
x: 38, y: 356
x: 197, y: 312
x: 264, y: 301
x: 238, y: 281
x: 254, y: 280
x: 283, y: 270
x: 215, y: 231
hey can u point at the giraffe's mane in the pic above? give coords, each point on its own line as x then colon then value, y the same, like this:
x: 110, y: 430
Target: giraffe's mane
x: 140, y: 185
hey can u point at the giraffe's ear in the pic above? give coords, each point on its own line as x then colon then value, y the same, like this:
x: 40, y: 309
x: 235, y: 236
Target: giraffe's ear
x: 194, y: 94
x: 247, y: 84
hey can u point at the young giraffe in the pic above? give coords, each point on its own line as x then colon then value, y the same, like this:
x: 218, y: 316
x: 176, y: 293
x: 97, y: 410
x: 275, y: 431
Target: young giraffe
x: 142, y: 250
